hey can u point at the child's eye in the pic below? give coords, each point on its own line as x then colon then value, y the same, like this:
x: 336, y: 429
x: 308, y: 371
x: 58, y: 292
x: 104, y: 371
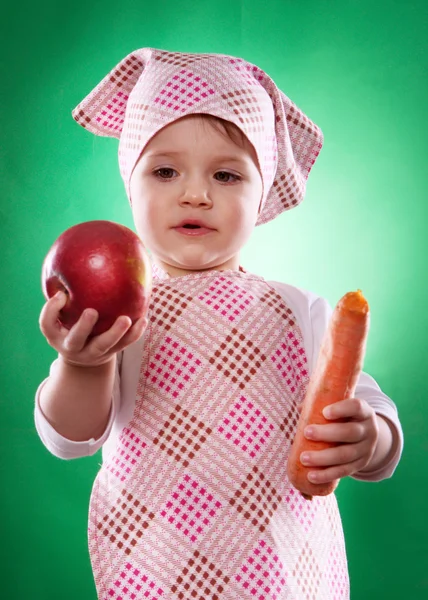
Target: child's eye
x: 165, y: 173
x: 226, y: 177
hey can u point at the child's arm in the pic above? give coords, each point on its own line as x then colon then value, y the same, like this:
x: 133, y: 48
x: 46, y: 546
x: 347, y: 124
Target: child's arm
x: 76, y: 399
x: 372, y: 440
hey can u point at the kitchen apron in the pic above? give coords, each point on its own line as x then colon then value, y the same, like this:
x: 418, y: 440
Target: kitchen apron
x: 194, y: 502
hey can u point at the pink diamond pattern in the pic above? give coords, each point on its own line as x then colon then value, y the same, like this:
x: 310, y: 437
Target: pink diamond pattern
x: 191, y: 508
x: 290, y: 359
x: 127, y: 455
x: 173, y: 367
x: 227, y: 299
x: 337, y: 575
x: 303, y: 510
x: 133, y: 585
x: 262, y: 574
x: 183, y: 91
x: 307, y: 574
x: 112, y: 115
x: 246, y: 426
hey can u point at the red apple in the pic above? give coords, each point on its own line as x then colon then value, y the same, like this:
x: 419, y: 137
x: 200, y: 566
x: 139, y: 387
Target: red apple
x: 101, y: 265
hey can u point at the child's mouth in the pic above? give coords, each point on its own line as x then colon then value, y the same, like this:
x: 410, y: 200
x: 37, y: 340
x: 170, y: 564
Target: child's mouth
x: 193, y: 230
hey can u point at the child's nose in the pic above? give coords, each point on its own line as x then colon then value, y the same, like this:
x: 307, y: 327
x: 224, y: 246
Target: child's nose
x: 195, y: 195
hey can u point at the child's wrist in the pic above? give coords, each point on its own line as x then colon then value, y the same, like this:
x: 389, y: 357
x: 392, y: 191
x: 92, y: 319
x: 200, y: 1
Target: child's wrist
x: 101, y: 367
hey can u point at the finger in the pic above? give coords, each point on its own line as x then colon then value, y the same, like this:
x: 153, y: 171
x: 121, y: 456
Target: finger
x: 78, y: 335
x: 106, y: 341
x: 350, y: 408
x: 131, y: 335
x: 336, y: 472
x: 350, y: 432
x: 339, y: 455
x: 50, y: 311
x: 137, y: 329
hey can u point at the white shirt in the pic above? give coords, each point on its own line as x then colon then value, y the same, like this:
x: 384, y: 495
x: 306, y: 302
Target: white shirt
x: 312, y: 314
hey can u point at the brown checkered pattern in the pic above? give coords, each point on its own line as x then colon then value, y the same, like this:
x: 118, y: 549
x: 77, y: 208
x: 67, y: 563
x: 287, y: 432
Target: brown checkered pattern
x: 199, y: 579
x: 238, y: 358
x: 108, y: 101
x: 245, y: 105
x: 289, y: 424
x: 151, y: 88
x: 256, y: 499
x: 177, y: 59
x: 126, y: 522
x: 195, y: 503
x: 274, y: 300
x: 182, y: 436
x: 169, y: 307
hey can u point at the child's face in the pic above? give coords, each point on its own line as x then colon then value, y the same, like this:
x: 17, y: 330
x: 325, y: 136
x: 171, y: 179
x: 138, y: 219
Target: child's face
x: 191, y: 171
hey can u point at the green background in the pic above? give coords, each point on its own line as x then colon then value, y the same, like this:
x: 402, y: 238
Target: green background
x: 358, y: 69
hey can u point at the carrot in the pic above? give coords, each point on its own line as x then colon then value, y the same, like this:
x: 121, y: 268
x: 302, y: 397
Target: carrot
x: 334, y: 378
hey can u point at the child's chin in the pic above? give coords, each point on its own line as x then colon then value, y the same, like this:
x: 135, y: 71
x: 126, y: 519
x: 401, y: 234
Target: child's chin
x: 195, y: 261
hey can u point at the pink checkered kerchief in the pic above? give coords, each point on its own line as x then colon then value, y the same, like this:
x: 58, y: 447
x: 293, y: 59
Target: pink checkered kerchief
x: 151, y: 88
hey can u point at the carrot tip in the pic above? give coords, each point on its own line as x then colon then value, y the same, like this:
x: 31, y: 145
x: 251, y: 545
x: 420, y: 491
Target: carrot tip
x: 355, y: 302
x: 306, y: 496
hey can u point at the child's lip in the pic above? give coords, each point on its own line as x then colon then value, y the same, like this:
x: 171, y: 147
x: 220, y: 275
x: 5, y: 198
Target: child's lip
x: 193, y: 222
x: 193, y: 232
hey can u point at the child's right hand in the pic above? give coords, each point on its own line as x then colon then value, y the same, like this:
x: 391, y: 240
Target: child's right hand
x: 73, y: 344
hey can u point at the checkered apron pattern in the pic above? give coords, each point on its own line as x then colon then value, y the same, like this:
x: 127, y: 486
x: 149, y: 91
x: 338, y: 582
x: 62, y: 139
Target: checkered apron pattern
x: 151, y: 88
x: 194, y: 502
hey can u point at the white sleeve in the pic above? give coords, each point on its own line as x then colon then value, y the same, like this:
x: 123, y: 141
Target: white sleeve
x: 313, y: 314
x: 62, y: 447
x: 123, y: 403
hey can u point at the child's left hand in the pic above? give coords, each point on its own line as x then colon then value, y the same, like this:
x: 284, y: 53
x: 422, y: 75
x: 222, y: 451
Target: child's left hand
x: 357, y: 438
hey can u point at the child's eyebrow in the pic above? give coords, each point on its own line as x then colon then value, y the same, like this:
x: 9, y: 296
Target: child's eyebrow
x: 174, y: 154
x: 162, y: 154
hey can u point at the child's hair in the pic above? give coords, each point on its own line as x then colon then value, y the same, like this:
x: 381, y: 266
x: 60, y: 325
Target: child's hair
x: 226, y: 128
